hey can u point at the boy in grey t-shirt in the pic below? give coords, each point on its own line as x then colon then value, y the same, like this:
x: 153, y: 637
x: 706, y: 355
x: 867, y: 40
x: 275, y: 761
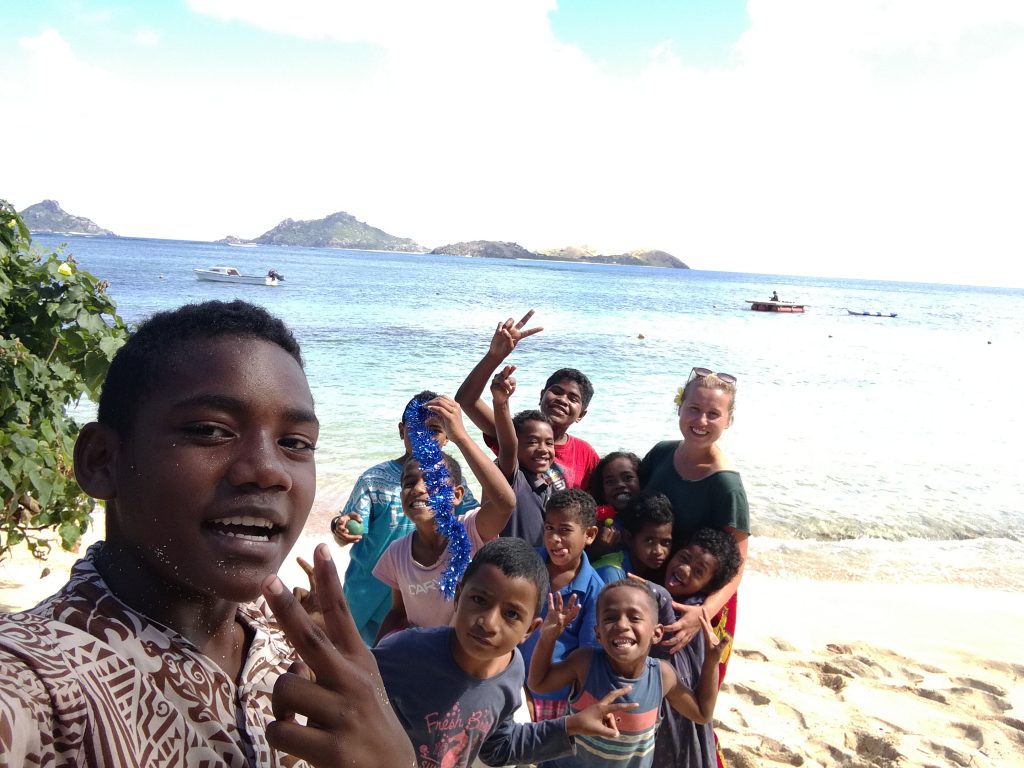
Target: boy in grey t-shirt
x: 455, y: 688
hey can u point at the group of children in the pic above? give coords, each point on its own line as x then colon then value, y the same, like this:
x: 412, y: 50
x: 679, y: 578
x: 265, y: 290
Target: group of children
x: 578, y: 606
x: 159, y: 651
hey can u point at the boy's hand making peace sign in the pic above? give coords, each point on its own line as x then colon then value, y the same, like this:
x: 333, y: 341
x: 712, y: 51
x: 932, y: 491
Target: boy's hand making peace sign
x: 508, y: 335
x: 336, y: 685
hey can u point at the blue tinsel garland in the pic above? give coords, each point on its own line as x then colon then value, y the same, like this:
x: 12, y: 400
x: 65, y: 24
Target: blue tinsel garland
x: 441, y: 495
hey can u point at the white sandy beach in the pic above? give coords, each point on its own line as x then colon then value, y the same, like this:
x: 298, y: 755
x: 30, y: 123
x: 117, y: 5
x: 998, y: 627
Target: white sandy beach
x: 824, y: 673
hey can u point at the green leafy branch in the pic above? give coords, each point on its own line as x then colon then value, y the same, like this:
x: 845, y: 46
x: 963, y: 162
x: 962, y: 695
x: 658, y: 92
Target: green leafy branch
x: 60, y: 330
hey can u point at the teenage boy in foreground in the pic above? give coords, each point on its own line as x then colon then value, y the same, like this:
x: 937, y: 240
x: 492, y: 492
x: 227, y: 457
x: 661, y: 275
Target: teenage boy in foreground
x: 153, y: 653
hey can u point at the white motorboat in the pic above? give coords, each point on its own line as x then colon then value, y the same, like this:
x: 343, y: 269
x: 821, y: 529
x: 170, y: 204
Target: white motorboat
x: 232, y: 275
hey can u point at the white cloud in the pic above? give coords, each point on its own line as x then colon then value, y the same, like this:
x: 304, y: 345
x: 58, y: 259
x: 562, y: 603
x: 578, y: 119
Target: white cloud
x: 145, y: 38
x: 48, y: 50
x: 876, y: 139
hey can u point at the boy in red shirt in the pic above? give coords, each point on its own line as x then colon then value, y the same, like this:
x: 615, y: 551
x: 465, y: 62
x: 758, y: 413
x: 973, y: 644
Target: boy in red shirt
x: 564, y: 400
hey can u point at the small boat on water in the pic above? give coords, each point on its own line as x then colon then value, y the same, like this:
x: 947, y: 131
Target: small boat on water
x: 775, y: 306
x: 871, y: 314
x: 232, y: 275
x: 242, y: 245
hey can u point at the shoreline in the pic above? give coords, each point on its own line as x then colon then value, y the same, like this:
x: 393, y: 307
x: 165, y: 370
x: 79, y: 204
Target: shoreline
x: 828, y: 673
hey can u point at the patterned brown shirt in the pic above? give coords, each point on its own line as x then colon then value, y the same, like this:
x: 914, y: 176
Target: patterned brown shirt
x: 87, y: 681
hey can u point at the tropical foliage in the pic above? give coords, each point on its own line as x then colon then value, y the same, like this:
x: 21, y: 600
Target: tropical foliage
x: 59, y: 329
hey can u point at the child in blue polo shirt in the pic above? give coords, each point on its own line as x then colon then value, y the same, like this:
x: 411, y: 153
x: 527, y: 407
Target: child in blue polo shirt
x: 570, y: 524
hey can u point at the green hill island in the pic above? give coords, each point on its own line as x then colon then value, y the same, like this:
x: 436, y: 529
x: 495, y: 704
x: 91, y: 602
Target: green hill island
x: 338, y: 230
x: 48, y: 217
x: 498, y: 250
x: 342, y: 230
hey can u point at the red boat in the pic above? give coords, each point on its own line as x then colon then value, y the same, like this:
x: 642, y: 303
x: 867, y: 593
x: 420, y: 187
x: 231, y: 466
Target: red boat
x: 775, y: 306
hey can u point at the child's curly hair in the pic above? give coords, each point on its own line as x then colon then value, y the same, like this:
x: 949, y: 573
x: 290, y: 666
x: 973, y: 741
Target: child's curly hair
x: 577, y: 502
x: 722, y: 546
x: 644, y: 509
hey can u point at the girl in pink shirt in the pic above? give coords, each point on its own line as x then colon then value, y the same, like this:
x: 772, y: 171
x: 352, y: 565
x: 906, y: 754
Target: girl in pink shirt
x: 412, y: 565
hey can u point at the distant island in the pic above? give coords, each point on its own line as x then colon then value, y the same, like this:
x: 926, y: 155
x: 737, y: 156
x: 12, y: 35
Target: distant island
x: 499, y: 250
x: 48, y: 217
x: 338, y: 230
x: 343, y: 230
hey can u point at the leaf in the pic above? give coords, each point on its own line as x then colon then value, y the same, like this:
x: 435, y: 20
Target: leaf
x: 43, y: 484
x: 24, y: 445
x: 69, y: 533
x: 110, y: 344
x: 7, y: 480
x: 91, y: 322
x: 47, y: 431
x: 62, y: 371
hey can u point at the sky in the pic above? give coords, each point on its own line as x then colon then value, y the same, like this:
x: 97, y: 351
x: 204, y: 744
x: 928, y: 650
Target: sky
x: 879, y: 139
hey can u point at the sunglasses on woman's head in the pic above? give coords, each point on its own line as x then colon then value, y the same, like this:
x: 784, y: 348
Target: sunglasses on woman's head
x: 703, y: 373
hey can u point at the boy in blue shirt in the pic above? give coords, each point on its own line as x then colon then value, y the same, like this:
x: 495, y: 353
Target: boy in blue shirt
x: 570, y: 525
x: 376, y: 502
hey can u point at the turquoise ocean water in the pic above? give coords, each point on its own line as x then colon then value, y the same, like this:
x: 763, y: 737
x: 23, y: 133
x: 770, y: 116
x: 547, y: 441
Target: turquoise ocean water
x: 871, y: 448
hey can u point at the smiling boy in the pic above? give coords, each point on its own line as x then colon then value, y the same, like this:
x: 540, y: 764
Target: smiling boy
x: 152, y: 654
x: 627, y: 627
x: 564, y: 401
x: 526, y: 452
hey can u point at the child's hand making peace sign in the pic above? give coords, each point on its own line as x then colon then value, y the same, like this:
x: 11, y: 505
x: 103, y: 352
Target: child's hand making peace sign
x: 560, y: 614
x: 503, y: 386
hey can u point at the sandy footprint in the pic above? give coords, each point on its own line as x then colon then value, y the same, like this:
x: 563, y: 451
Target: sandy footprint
x: 970, y: 733
x: 928, y: 693
x: 794, y: 714
x: 832, y: 681
x: 1012, y: 722
x: 980, y: 685
x: 979, y: 700
x: 1016, y: 729
x: 746, y: 692
x: 875, y: 748
x: 766, y: 749
x: 783, y: 645
x: 746, y: 653
x: 952, y: 755
x: 854, y: 666
x: 911, y: 675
